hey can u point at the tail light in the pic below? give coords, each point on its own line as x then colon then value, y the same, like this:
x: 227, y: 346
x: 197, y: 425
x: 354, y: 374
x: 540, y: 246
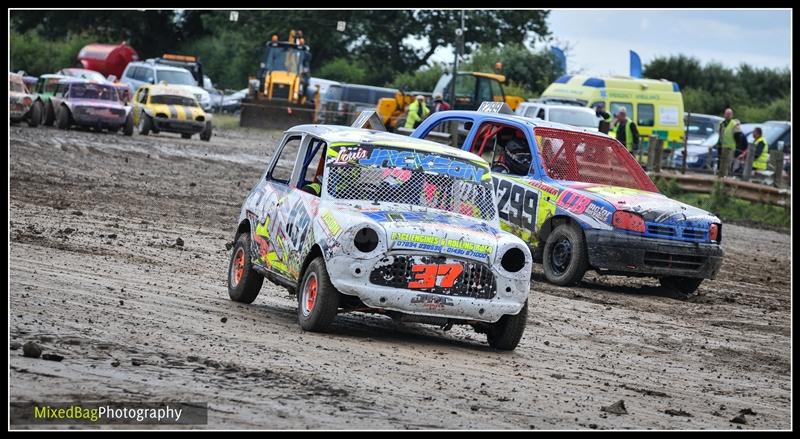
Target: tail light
x: 713, y: 233
x: 628, y: 221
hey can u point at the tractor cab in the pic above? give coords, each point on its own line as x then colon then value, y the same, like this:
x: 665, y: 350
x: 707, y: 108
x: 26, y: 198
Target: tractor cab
x: 471, y: 88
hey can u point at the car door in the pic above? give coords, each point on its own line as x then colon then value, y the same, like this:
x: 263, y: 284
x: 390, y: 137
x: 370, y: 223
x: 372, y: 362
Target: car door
x: 276, y: 217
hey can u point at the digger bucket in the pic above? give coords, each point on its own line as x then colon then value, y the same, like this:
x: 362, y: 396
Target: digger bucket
x: 275, y: 114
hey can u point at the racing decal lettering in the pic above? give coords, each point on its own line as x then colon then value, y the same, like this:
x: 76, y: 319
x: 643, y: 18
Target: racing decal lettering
x: 573, y: 201
x: 467, y: 248
x: 597, y: 212
x: 516, y: 204
x: 350, y: 154
x: 430, y: 275
x: 431, y: 302
x: 381, y: 157
x: 297, y: 227
x: 331, y: 226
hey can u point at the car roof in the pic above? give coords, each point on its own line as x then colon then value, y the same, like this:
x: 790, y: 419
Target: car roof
x: 343, y: 134
x: 480, y: 116
x: 177, y: 90
x: 558, y: 106
x: 74, y: 80
x: 702, y: 116
x: 158, y: 66
x: 53, y: 76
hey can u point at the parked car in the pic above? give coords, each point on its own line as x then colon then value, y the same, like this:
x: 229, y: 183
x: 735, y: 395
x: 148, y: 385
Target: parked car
x: 576, y: 116
x: 774, y: 132
x: 232, y: 103
x: 124, y: 90
x: 702, y: 132
x: 362, y: 220
x: 78, y: 102
x: 45, y: 87
x: 321, y: 84
x: 140, y: 73
x: 20, y: 101
x: 171, y: 109
x: 581, y: 201
x: 343, y: 102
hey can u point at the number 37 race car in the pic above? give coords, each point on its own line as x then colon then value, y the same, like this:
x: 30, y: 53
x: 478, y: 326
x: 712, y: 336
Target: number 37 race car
x: 581, y: 201
x: 363, y: 220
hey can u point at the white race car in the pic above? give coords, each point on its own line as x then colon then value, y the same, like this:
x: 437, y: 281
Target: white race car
x: 351, y: 219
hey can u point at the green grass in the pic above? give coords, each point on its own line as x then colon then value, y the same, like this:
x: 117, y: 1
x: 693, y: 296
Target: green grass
x: 729, y: 209
x: 226, y: 121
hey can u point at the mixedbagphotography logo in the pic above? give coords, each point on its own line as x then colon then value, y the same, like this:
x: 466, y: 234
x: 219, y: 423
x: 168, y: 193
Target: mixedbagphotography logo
x: 100, y: 413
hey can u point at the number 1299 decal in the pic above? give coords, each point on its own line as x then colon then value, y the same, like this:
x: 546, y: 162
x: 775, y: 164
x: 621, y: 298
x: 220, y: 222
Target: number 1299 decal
x: 427, y: 275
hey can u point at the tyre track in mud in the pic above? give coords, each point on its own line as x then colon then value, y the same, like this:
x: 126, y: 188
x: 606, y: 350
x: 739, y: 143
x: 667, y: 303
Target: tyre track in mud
x: 96, y: 274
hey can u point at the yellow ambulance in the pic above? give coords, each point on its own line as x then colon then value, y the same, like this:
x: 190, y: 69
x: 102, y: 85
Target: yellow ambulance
x: 656, y: 105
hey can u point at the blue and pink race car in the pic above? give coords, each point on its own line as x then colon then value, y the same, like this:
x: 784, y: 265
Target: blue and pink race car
x: 582, y: 202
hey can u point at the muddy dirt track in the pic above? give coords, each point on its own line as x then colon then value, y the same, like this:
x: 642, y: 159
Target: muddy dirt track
x: 96, y: 275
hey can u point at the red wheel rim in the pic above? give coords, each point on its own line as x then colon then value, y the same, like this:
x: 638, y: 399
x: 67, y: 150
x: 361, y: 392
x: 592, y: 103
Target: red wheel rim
x: 237, y: 270
x: 310, y: 294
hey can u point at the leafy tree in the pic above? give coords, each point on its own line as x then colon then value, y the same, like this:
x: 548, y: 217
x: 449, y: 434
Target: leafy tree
x: 343, y: 70
x: 424, y: 79
x: 37, y: 55
x: 532, y: 71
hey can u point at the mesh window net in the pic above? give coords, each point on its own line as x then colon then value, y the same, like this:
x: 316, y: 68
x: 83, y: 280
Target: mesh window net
x: 589, y: 158
x: 418, y: 178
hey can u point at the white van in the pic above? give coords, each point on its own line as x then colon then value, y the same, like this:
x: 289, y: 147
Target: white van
x: 574, y: 115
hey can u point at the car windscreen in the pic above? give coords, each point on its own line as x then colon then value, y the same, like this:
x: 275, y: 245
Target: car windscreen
x: 391, y: 173
x: 173, y: 100
x: 176, y: 77
x: 589, y: 158
x: 334, y: 93
x: 573, y: 117
x: 85, y: 74
x: 702, y: 128
x: 358, y: 94
x: 18, y: 87
x: 770, y: 132
x: 93, y: 91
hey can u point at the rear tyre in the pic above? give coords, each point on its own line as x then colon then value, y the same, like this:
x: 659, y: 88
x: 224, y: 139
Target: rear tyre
x: 145, y: 124
x: 244, y: 283
x: 317, y: 298
x: 506, y: 333
x: 564, y: 258
x: 35, y: 115
x: 127, y: 129
x: 186, y: 136
x: 49, y: 114
x: 205, y: 135
x: 681, y: 285
x: 62, y: 121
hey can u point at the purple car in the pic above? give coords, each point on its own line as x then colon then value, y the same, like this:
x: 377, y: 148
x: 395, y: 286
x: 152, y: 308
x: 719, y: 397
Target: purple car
x: 79, y: 102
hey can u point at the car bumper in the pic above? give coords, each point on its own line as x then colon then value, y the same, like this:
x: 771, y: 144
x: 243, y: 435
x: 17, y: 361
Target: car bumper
x: 178, y: 126
x: 627, y: 254
x: 352, y: 277
x: 98, y: 121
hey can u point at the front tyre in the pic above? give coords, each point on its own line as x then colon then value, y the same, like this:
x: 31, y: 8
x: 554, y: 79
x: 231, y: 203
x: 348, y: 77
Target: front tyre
x: 145, y: 124
x: 186, y: 136
x: 680, y: 284
x: 506, y: 333
x: 127, y: 129
x: 62, y: 121
x: 317, y: 298
x: 49, y: 114
x: 35, y: 115
x: 205, y: 135
x: 244, y: 283
x: 564, y: 257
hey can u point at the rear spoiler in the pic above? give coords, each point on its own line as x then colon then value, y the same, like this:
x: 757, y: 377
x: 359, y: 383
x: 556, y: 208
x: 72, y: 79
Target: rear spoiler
x: 368, y: 119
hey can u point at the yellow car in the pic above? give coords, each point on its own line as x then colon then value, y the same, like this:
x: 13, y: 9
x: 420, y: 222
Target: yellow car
x: 172, y: 109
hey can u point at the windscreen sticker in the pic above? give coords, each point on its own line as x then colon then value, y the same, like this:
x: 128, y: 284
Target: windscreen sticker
x: 411, y: 160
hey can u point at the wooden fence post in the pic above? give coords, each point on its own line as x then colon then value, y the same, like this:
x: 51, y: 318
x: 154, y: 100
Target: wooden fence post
x: 776, y: 163
x: 658, y: 149
x: 748, y: 163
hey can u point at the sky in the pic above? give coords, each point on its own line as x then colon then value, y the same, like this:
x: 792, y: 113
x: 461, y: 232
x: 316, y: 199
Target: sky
x: 599, y: 40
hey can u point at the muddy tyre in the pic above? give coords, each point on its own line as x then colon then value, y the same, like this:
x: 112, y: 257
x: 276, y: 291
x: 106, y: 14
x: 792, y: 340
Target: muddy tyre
x: 681, y: 285
x: 205, y: 135
x: 62, y: 121
x: 127, y: 129
x: 317, y: 298
x: 186, y: 136
x: 506, y: 333
x: 564, y: 258
x: 145, y: 124
x: 244, y: 283
x: 49, y: 114
x: 35, y: 115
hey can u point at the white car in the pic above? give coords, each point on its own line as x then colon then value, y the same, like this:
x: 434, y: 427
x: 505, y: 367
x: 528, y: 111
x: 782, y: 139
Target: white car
x: 360, y: 220
x: 148, y: 72
x: 572, y: 115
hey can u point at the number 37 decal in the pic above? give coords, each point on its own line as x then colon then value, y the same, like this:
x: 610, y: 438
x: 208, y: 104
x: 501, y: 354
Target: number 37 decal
x: 427, y: 275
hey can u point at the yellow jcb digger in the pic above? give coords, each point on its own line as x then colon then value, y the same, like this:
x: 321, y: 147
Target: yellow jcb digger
x: 278, y: 97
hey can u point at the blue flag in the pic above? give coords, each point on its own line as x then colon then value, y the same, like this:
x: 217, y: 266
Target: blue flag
x: 561, y: 59
x: 636, y: 65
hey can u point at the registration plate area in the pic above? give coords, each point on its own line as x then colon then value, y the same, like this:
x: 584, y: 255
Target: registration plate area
x: 436, y: 275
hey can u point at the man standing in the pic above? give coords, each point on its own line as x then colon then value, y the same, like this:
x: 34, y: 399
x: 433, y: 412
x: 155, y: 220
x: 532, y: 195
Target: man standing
x: 417, y: 112
x: 604, y: 116
x: 626, y: 131
x: 439, y: 104
x: 761, y: 153
x: 730, y: 134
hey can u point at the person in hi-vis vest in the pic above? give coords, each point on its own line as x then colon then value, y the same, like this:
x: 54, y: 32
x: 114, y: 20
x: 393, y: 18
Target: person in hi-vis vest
x: 761, y: 153
x: 625, y: 130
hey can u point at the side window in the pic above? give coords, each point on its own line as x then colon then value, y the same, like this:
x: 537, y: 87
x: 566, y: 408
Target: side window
x: 615, y: 106
x: 646, y: 115
x: 313, y: 165
x: 282, y: 170
x: 465, y: 91
x: 497, y: 92
x: 540, y: 114
x: 143, y: 95
x: 530, y: 112
x: 484, y: 90
x: 504, y: 147
x: 443, y: 131
x: 136, y: 73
